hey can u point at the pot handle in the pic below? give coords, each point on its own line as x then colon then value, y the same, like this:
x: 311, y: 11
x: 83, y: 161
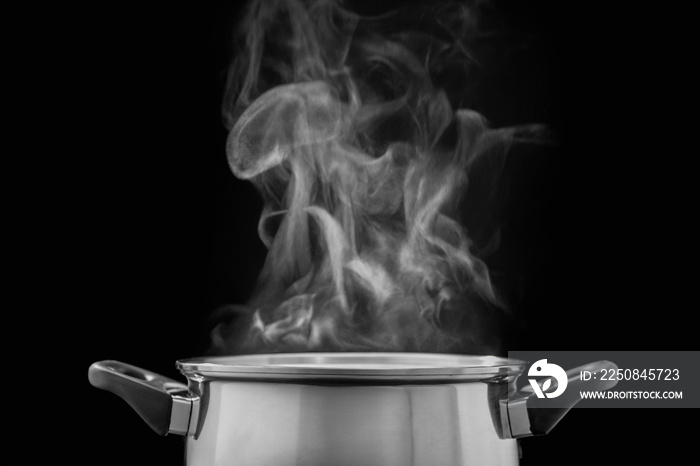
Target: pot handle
x: 523, y: 414
x: 164, y: 404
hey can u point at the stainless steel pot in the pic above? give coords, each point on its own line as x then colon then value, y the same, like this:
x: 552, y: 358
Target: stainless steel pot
x: 384, y: 409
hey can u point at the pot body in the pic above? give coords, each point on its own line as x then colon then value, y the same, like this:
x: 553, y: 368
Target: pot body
x: 246, y: 423
x: 345, y: 409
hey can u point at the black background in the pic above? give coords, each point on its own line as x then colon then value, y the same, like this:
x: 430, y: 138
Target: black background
x: 149, y: 232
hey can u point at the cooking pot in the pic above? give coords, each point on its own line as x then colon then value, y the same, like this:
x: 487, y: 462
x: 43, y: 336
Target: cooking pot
x: 384, y: 409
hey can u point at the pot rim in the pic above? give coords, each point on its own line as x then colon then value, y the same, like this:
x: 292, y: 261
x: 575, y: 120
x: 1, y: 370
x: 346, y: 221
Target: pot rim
x: 425, y: 367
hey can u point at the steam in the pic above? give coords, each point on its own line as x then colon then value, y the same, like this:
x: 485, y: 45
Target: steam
x: 362, y: 160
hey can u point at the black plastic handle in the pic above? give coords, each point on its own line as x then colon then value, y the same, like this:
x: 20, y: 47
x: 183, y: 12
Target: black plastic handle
x: 148, y: 393
x: 543, y: 419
